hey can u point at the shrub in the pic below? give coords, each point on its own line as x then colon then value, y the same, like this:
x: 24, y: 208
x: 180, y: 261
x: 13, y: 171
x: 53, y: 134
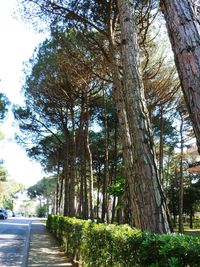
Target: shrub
x: 41, y: 211
x: 119, y: 246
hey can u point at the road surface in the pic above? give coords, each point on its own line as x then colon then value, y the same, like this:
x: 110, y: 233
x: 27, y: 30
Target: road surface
x: 14, y: 240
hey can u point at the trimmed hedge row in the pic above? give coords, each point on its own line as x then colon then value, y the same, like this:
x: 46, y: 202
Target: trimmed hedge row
x: 110, y: 245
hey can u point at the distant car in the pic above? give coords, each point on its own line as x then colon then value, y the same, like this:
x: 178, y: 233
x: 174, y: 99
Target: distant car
x: 8, y: 212
x: 3, y: 214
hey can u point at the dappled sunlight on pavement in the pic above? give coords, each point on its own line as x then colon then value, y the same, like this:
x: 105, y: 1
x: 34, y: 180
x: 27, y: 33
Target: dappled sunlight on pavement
x: 44, y: 250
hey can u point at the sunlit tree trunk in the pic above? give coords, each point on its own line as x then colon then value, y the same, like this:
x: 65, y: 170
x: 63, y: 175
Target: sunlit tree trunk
x: 120, y: 204
x: 183, y: 24
x: 149, y: 207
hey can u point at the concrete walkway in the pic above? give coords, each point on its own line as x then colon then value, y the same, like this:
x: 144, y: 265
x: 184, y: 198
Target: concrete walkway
x: 44, y: 250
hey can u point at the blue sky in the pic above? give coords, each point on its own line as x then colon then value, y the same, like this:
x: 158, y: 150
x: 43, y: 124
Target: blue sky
x: 17, y: 44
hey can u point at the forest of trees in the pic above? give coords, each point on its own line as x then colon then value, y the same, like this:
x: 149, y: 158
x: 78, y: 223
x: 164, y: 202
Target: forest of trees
x: 108, y: 114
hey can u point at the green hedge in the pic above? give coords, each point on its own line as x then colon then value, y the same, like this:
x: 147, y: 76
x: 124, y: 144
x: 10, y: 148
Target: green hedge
x: 109, y: 245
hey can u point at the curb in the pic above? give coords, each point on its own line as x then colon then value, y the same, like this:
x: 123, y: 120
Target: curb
x: 26, y: 247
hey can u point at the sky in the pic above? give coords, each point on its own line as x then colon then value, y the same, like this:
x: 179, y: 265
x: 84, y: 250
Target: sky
x: 18, y: 41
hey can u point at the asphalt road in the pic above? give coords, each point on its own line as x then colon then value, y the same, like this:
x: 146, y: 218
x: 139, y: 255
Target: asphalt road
x: 14, y: 241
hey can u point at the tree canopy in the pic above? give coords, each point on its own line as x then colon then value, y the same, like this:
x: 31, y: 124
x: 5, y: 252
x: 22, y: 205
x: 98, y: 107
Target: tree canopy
x: 102, y: 66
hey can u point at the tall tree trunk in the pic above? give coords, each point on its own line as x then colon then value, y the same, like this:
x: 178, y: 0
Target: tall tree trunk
x: 191, y: 217
x: 61, y: 193
x: 120, y: 204
x: 180, y: 226
x: 72, y: 167
x: 183, y: 24
x: 57, y: 210
x: 89, y: 162
x: 174, y: 196
x: 115, y: 169
x: 91, y: 178
x: 124, y: 130
x: 106, y: 167
x: 86, y: 200
x: 161, y: 145
x: 98, y: 200
x: 98, y: 192
x: 66, y: 183
x: 83, y: 194
x: 150, y: 211
x: 66, y: 169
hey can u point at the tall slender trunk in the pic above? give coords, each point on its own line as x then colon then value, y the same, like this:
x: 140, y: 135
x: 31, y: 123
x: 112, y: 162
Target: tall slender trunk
x: 106, y: 166
x: 72, y: 166
x: 83, y: 195
x: 98, y: 191
x: 128, y: 213
x: 60, y: 202
x: 66, y: 184
x: 57, y: 210
x: 85, y: 183
x: 161, y: 145
x: 120, y: 210
x: 180, y: 226
x: 115, y: 169
x: 174, y: 196
x: 191, y: 217
x: 191, y: 208
x: 124, y: 130
x: 98, y: 200
x: 147, y: 199
x: 89, y: 160
x: 183, y: 24
x: 66, y: 170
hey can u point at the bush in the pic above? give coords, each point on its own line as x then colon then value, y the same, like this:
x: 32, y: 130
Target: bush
x: 41, y: 212
x: 99, y: 245
x: 68, y: 232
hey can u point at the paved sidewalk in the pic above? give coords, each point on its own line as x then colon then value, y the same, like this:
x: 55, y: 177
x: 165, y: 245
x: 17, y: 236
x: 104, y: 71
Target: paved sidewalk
x: 44, y: 250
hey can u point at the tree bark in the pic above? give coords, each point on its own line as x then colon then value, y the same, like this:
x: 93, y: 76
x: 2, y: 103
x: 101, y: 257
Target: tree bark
x: 120, y: 205
x: 66, y: 185
x: 191, y: 218
x: 89, y: 162
x: 180, y: 225
x: 72, y: 167
x: 150, y: 211
x: 58, y: 193
x: 66, y: 170
x: 161, y: 145
x: 115, y: 168
x: 183, y: 26
x: 106, y: 167
x: 83, y: 196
